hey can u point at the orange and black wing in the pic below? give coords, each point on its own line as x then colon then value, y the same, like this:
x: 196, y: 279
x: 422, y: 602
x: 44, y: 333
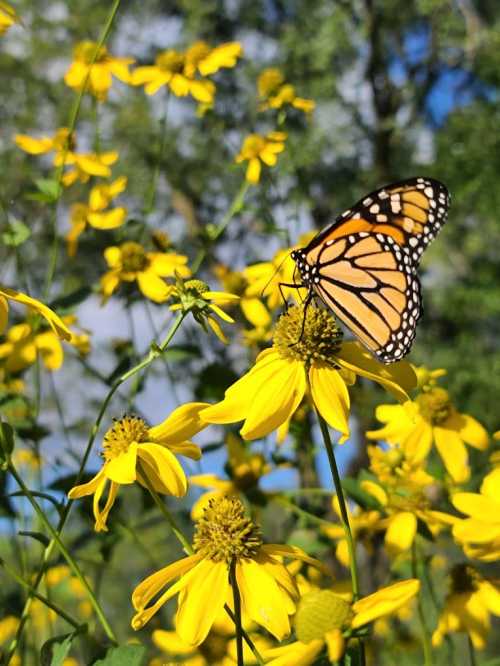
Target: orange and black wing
x: 370, y: 283
x: 411, y: 212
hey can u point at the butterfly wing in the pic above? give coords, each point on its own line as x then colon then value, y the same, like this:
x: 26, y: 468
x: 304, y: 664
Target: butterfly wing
x: 370, y: 283
x: 411, y: 212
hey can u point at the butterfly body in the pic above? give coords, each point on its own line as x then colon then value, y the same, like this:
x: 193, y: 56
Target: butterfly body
x: 364, y: 265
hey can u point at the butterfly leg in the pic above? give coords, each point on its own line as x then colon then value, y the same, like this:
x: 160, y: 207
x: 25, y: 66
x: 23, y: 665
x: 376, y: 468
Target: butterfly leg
x: 307, y: 301
x: 290, y: 286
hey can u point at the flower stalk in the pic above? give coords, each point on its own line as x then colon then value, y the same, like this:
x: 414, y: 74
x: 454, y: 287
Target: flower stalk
x: 237, y: 615
x: 426, y: 641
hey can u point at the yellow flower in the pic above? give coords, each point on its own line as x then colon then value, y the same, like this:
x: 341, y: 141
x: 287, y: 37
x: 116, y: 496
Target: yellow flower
x: 132, y: 451
x: 307, y: 355
x: 479, y: 534
x: 363, y: 524
x: 99, y: 73
x: 237, y: 283
x: 8, y: 17
x: 178, y: 70
x: 95, y: 214
x: 432, y: 418
x: 54, y: 321
x: 8, y: 627
x: 131, y: 263
x: 244, y: 468
x: 325, y: 619
x: 195, y: 296
x: 23, y: 343
x: 85, y: 165
x: 256, y: 149
x: 266, y: 278
x: 276, y: 93
x: 225, y: 540
x: 471, y: 601
x: 28, y: 458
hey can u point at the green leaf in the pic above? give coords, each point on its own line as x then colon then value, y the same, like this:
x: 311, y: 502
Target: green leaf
x: 181, y: 352
x: 360, y: 496
x: 55, y: 650
x: 17, y: 233
x: 6, y: 440
x: 124, y: 655
x: 48, y: 188
x: 44, y: 540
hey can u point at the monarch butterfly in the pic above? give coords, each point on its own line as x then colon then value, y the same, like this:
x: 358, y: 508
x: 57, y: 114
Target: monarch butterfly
x: 364, y: 265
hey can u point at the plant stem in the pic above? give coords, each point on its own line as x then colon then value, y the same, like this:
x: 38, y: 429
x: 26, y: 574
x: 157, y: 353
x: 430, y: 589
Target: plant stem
x: 65, y: 553
x: 71, y: 127
x: 152, y: 355
x: 50, y: 604
x: 234, y: 208
x: 343, y: 508
x: 237, y: 613
x: 472, y: 652
x: 426, y: 642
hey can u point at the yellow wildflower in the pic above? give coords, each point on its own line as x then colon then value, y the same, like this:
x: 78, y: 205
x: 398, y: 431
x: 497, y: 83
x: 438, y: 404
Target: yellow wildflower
x: 307, y: 355
x: 95, y: 214
x: 8, y: 17
x: 432, y: 418
x: 265, y: 278
x: 8, y: 627
x: 244, y: 468
x: 27, y: 458
x: 85, y: 165
x: 479, y: 534
x: 208, y: 61
x: 225, y: 540
x: 325, y: 619
x: 133, y: 451
x: 97, y: 75
x: 256, y: 149
x: 276, y: 93
x: 469, y: 605
x: 130, y: 262
x: 195, y: 296
x: 54, y: 321
x: 61, y: 142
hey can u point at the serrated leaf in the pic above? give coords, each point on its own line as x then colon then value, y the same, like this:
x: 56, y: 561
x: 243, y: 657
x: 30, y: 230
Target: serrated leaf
x: 55, y: 650
x: 44, y: 540
x: 17, y: 234
x: 48, y: 187
x: 124, y: 655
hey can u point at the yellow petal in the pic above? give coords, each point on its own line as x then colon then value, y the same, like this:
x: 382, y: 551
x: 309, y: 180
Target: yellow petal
x: 375, y: 490
x: 110, y: 219
x: 256, y: 312
x: 478, y: 506
x: 150, y: 586
x: 253, y: 171
x: 261, y: 598
x: 86, y: 488
x: 171, y: 643
x: 453, y: 453
x: 184, y: 422
x: 50, y: 350
x: 336, y: 644
x: 202, y: 601
x: 294, y: 654
x: 384, y: 601
x: 165, y: 466
x: 398, y: 378
x: 122, y: 468
x: 54, y: 320
x: 331, y: 397
x: 153, y: 287
x: 490, y: 595
x: 400, y: 533
x: 4, y: 313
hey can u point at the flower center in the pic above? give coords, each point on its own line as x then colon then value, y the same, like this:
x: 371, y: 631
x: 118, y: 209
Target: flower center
x: 85, y: 52
x: 170, y: 61
x: 320, y: 611
x: 224, y: 533
x: 315, y: 338
x: 435, y: 405
x: 214, y: 647
x: 196, y: 287
x: 134, y: 257
x: 122, y: 434
x: 464, y: 578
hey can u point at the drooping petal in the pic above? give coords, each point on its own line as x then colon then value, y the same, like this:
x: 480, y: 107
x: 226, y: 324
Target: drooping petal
x: 401, y: 532
x: 86, y: 488
x: 101, y: 515
x: 295, y: 553
x: 453, y: 453
x: 294, y: 654
x: 261, y: 598
x: 55, y: 322
x: 153, y: 287
x: 203, y: 599
x: 165, y: 466
x: 151, y: 585
x: 122, y: 469
x: 331, y: 397
x: 398, y: 378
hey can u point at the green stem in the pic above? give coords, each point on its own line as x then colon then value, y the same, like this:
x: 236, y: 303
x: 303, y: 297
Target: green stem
x: 71, y: 127
x: 472, y: 652
x: 237, y: 614
x: 426, y: 641
x: 65, y: 553
x: 50, y: 604
x: 234, y: 208
x: 152, y: 355
x: 343, y: 508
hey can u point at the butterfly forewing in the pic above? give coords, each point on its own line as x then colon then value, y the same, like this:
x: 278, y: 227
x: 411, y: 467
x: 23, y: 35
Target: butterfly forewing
x: 364, y: 265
